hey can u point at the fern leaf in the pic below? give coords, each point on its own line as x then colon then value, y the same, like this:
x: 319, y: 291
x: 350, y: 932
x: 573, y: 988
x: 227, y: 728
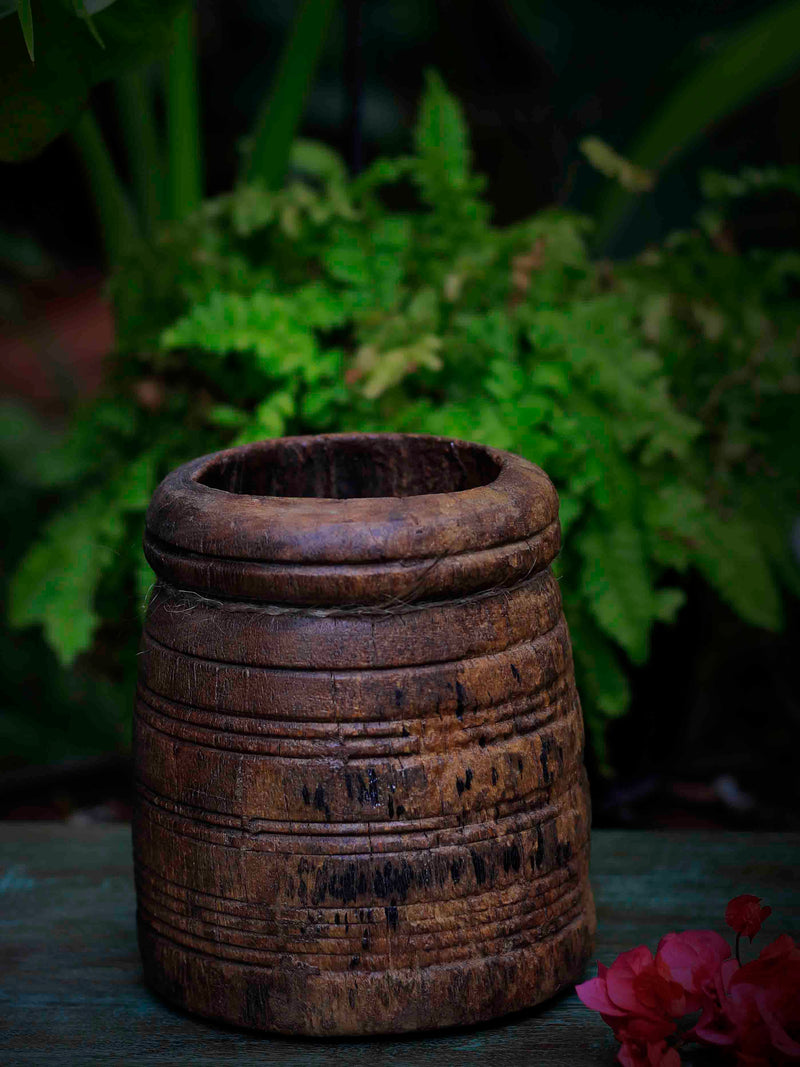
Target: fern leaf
x: 441, y: 138
x: 726, y: 550
x: 732, y: 559
x: 56, y: 581
x: 617, y: 585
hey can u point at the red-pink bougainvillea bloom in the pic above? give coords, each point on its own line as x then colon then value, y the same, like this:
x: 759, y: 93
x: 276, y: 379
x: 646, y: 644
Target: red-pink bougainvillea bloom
x: 758, y: 1010
x: 745, y: 915
x: 694, y: 959
x: 751, y: 1010
x: 714, y: 1027
x: 636, y: 996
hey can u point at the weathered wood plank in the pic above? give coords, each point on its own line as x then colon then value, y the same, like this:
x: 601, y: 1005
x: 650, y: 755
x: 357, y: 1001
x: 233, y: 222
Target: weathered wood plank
x: 71, y: 990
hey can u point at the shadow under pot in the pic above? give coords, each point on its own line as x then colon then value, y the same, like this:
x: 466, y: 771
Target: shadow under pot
x: 361, y: 802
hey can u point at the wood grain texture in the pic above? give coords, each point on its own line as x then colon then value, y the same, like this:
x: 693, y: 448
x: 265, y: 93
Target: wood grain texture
x: 361, y: 804
x: 71, y: 991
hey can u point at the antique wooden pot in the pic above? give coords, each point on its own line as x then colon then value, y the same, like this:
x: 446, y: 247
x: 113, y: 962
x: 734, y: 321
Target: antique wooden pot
x: 361, y: 802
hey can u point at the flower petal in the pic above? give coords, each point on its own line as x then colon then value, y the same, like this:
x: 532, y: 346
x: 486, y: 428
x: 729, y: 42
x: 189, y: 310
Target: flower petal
x: 619, y: 980
x: 595, y: 996
x: 777, y: 1033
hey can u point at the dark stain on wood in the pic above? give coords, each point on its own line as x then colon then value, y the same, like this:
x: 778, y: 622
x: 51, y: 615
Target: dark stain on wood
x: 547, y: 745
x: 368, y: 792
x: 328, y: 609
x: 319, y: 801
x: 460, y: 700
x: 538, y: 856
x: 511, y: 858
x: 479, y: 865
x: 465, y: 782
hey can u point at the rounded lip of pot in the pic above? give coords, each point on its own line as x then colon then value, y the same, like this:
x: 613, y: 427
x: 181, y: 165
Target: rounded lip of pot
x: 190, y: 516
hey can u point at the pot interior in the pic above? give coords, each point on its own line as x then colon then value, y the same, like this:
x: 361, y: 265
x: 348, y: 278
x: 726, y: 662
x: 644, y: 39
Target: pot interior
x: 348, y: 466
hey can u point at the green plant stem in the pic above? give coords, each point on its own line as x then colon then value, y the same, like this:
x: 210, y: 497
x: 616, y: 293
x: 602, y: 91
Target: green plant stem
x: 184, y: 153
x: 752, y: 58
x: 134, y: 100
x: 280, y: 115
x: 117, y: 220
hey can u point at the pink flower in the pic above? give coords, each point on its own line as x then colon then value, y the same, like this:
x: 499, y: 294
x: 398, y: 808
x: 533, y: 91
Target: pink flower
x: 745, y: 915
x: 694, y: 959
x: 758, y: 1007
x: 764, y: 1003
x: 714, y: 1027
x: 752, y: 1011
x: 637, y: 997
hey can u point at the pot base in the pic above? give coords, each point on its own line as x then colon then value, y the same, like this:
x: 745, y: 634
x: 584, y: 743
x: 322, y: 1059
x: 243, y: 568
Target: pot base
x: 289, y: 1000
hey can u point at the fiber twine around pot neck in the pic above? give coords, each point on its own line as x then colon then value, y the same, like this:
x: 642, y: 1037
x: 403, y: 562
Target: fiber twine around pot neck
x: 185, y: 600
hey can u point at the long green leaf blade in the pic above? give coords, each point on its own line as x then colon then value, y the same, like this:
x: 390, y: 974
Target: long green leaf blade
x: 117, y: 221
x: 145, y: 156
x: 26, y: 22
x: 280, y: 116
x: 184, y: 151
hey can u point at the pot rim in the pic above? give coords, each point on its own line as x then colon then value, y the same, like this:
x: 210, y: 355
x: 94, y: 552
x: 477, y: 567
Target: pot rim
x: 187, y: 515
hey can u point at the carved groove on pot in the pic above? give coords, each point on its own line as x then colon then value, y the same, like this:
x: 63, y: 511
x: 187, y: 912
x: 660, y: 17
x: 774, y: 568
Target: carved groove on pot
x: 361, y: 804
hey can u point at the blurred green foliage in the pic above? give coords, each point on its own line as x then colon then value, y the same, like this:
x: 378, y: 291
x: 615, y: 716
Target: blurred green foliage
x: 744, y: 63
x: 56, y: 50
x: 48, y: 713
x: 660, y: 394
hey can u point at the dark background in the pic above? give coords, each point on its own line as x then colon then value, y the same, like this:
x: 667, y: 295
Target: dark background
x: 713, y: 736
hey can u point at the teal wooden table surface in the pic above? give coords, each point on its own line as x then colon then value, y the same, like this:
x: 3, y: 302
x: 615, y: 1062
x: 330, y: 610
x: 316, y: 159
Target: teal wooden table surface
x: 71, y: 990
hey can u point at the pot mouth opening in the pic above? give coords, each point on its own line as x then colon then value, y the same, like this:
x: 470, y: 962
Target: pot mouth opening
x: 343, y: 467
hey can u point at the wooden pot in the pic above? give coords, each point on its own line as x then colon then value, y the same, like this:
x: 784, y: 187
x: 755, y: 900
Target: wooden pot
x: 361, y: 801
